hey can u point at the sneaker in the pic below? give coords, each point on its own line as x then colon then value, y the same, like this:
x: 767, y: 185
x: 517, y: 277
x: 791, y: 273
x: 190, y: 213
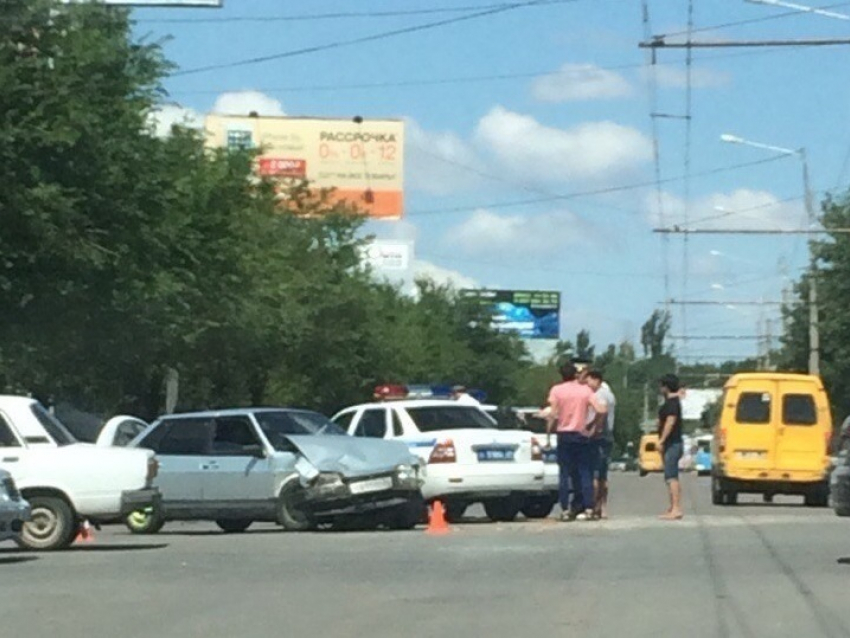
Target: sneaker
x: 568, y: 517
x: 587, y: 515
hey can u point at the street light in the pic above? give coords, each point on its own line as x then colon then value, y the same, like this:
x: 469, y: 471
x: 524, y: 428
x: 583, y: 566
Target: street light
x: 814, y: 334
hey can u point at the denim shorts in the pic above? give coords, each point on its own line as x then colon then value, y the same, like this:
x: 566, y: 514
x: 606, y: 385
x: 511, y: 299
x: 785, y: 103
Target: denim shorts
x: 672, y: 453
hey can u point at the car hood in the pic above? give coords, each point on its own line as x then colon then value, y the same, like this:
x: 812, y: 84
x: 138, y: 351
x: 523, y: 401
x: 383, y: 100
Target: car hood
x: 352, y: 456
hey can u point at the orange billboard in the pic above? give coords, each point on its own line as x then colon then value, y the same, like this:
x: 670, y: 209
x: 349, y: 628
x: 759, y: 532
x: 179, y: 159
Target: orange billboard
x: 361, y: 159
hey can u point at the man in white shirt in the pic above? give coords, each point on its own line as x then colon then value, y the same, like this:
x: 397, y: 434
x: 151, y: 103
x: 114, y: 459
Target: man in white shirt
x: 605, y: 439
x: 463, y: 397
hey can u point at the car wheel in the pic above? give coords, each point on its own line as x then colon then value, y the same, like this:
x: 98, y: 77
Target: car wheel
x: 146, y: 521
x: 817, y: 498
x: 502, y: 510
x: 234, y: 525
x: 291, y: 512
x: 643, y: 473
x: 455, y: 511
x: 539, y: 507
x: 52, y: 524
x: 407, y: 515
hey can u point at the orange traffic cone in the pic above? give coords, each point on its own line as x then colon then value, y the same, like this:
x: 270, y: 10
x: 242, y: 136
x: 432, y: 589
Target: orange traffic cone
x: 85, y: 534
x: 437, y: 522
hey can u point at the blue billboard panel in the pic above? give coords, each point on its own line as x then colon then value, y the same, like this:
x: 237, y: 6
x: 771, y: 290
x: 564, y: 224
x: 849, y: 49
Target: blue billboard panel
x: 532, y: 314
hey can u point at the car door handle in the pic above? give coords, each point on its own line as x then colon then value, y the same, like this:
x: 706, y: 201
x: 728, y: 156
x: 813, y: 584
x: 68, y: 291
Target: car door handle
x: 209, y: 466
x: 10, y: 459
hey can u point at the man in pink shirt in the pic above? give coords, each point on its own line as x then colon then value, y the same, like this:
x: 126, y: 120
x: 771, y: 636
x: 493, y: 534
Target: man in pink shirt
x: 570, y: 402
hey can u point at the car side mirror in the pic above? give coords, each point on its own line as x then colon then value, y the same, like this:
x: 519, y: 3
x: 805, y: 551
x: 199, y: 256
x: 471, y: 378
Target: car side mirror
x: 256, y: 451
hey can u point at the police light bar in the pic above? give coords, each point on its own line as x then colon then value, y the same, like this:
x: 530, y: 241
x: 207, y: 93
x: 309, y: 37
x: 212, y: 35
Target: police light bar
x: 396, y: 392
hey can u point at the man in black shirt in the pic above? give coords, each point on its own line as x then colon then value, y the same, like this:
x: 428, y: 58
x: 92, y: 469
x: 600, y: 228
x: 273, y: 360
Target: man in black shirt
x: 670, y: 442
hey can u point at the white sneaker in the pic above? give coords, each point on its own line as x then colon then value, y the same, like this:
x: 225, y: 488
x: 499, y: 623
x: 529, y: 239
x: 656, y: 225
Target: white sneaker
x: 585, y: 516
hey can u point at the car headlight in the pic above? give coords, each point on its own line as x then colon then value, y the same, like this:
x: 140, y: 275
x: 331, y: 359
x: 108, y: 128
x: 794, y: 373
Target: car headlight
x: 329, y: 482
x: 407, y: 473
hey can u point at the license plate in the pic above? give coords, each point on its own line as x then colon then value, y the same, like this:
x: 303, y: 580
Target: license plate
x: 496, y: 455
x: 749, y: 454
x: 371, y: 485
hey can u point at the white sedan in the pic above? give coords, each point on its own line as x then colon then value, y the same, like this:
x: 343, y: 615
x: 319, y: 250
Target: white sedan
x: 468, y: 459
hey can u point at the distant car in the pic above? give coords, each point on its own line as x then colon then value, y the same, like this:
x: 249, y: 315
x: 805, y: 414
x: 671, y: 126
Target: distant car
x: 702, y: 458
x: 119, y: 431
x: 293, y: 467
x: 469, y: 460
x: 839, y: 486
x: 14, y: 510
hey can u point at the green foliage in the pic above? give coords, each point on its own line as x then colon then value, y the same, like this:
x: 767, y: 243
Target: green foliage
x: 123, y: 255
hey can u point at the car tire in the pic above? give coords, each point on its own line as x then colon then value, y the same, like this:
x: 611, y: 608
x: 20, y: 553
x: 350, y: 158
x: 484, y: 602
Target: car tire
x: 538, y: 507
x: 817, y: 498
x: 146, y: 521
x: 408, y: 515
x: 52, y: 526
x: 234, y: 525
x: 455, y: 511
x: 502, y: 510
x: 642, y: 473
x: 290, y: 512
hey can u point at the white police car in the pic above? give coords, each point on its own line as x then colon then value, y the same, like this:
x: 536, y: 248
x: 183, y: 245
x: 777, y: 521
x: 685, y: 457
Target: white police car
x: 468, y: 459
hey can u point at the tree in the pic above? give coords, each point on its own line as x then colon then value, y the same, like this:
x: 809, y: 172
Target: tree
x: 653, y: 333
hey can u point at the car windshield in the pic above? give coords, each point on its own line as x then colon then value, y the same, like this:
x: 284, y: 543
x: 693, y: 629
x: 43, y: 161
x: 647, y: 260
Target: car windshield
x: 54, y: 428
x: 280, y: 424
x: 439, y: 417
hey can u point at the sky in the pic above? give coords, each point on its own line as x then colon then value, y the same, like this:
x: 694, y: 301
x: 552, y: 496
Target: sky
x: 529, y: 160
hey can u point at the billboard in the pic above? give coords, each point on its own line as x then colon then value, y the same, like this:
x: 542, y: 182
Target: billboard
x: 384, y: 254
x: 152, y: 3
x: 361, y: 159
x: 532, y: 314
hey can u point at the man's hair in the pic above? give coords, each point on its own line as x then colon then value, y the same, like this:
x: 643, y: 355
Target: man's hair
x: 671, y: 382
x: 568, y: 371
x: 595, y: 374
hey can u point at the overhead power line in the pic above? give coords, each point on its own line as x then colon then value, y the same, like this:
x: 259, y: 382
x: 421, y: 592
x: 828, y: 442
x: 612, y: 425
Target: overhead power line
x: 659, y: 42
x: 361, y: 40
x: 591, y: 193
x: 338, y: 15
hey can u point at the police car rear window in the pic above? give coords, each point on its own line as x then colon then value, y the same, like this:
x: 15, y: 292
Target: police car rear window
x: 432, y: 418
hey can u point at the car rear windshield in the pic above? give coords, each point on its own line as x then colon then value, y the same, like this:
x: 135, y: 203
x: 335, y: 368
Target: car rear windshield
x: 283, y: 423
x: 799, y: 409
x: 52, y: 426
x: 753, y: 407
x: 431, y: 418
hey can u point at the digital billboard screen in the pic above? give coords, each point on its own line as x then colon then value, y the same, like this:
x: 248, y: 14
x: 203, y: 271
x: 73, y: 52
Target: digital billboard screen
x: 532, y: 314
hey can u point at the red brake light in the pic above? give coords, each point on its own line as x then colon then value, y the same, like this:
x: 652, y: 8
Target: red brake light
x: 443, y: 452
x: 388, y: 392
x: 536, y: 450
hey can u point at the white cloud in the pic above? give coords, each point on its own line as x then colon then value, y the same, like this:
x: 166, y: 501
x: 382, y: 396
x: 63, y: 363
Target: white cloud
x: 244, y: 102
x: 427, y: 270
x: 573, y: 82
x: 486, y: 233
x: 677, y: 77
x: 168, y: 115
x: 741, y: 209
x: 435, y: 161
x: 532, y: 152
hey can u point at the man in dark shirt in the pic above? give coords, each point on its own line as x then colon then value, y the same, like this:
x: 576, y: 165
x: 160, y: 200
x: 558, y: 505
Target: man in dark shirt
x: 670, y: 442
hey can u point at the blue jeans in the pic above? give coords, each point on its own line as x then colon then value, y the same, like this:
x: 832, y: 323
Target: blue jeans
x: 672, y: 453
x: 577, y: 459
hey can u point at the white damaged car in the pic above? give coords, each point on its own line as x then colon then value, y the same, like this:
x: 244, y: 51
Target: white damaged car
x: 293, y: 467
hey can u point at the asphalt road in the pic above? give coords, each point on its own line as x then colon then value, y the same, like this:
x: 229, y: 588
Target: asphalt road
x: 751, y: 570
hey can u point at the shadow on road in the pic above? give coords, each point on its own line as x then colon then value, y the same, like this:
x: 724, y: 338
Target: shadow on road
x: 115, y: 547
x: 16, y: 558
x: 216, y: 532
